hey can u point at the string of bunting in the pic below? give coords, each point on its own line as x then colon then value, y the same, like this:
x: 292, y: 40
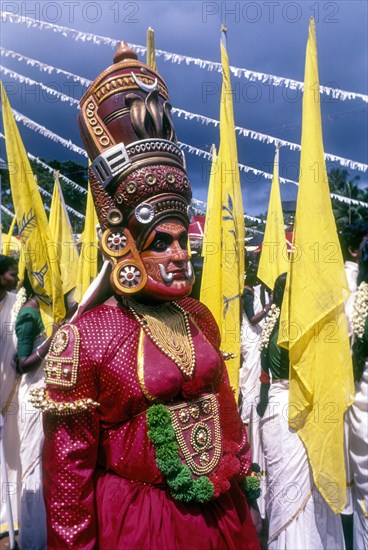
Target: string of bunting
x: 69, y: 208
x: 44, y: 67
x: 7, y: 211
x: 68, y: 181
x: 52, y: 170
x: 244, y: 168
x: 30, y: 82
x: 203, y: 206
x: 238, y: 72
x: 32, y: 125
x: 85, y: 82
x: 29, y: 123
x: 264, y: 138
x: 257, y: 136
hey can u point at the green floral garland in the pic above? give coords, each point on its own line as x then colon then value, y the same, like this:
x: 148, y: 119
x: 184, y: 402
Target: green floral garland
x: 251, y: 485
x: 179, y: 478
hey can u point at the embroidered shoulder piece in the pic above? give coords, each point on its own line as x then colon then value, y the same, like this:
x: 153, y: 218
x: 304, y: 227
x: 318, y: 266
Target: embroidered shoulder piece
x: 63, y: 358
x: 41, y: 400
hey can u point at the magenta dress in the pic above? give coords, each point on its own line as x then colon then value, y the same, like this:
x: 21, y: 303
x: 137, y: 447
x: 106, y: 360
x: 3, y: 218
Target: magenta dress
x: 102, y: 484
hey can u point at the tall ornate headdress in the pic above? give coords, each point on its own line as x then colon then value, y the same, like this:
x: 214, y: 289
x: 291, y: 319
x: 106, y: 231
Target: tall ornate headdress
x: 137, y: 175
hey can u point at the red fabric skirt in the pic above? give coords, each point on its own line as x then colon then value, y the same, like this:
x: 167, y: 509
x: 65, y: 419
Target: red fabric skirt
x: 135, y: 516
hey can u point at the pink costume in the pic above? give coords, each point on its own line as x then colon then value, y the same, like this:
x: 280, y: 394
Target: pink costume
x: 144, y: 448
x: 101, y: 482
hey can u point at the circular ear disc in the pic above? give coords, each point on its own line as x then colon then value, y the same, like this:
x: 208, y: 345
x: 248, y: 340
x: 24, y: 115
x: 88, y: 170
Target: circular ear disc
x: 128, y: 278
x: 114, y: 243
x: 128, y: 274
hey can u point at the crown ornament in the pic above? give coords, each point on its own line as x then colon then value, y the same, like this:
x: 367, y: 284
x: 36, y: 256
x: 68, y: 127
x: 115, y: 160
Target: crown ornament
x: 137, y: 174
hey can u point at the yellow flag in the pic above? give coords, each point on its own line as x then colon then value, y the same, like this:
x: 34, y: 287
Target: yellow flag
x: 313, y: 323
x: 151, y: 52
x: 274, y: 258
x: 87, y: 263
x: 211, y: 246
x: 8, y: 238
x: 62, y: 235
x: 223, y: 274
x: 39, y: 252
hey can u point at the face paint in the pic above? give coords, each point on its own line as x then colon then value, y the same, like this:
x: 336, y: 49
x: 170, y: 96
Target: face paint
x: 165, y: 258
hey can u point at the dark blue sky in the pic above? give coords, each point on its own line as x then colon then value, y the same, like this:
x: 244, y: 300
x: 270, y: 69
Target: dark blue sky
x: 268, y: 37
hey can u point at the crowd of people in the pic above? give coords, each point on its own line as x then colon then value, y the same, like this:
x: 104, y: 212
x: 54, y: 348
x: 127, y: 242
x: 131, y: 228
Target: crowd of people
x: 121, y: 430
x: 303, y: 519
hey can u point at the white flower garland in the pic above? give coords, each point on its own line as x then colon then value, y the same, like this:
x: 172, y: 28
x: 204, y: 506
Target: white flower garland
x: 269, y: 325
x: 360, y: 310
x: 19, y: 302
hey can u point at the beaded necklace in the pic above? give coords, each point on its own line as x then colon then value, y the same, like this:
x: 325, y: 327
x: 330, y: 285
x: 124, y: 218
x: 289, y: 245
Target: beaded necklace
x: 167, y: 325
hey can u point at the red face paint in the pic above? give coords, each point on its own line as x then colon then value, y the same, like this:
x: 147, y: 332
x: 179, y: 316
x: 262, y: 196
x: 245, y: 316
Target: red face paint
x: 165, y: 257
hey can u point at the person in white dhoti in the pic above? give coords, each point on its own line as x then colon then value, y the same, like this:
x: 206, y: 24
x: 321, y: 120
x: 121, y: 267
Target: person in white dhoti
x: 253, y: 316
x: 358, y: 412
x: 299, y: 518
x: 8, y: 387
x: 32, y: 350
x: 351, y: 238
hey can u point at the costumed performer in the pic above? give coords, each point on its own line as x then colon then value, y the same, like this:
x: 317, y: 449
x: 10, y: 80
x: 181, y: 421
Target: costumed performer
x: 299, y: 517
x: 358, y: 412
x: 144, y: 447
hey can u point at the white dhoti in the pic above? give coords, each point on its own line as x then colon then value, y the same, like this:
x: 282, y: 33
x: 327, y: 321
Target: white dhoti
x: 299, y: 518
x: 32, y: 516
x: 358, y: 442
x: 249, y: 384
x: 9, y: 410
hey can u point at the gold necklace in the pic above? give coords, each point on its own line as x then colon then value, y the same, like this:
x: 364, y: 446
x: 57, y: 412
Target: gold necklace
x: 167, y: 325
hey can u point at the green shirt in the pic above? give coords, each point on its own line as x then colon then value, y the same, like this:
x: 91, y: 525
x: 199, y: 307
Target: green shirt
x: 277, y: 357
x: 29, y: 325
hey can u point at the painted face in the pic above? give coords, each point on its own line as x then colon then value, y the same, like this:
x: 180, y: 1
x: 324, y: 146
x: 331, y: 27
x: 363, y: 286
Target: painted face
x: 9, y: 279
x: 165, y: 257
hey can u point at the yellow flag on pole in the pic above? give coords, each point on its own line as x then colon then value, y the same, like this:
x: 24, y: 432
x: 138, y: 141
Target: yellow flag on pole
x: 37, y: 245
x: 151, y: 51
x: 62, y: 235
x: 313, y: 324
x: 223, y: 270
x: 87, y: 263
x: 7, y: 238
x: 274, y: 256
x: 211, y: 246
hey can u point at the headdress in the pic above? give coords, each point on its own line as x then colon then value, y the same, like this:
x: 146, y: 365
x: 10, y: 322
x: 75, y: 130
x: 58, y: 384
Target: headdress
x: 137, y: 173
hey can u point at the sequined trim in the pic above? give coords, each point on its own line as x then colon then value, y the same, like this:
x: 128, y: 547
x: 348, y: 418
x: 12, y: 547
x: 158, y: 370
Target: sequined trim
x: 140, y: 368
x: 41, y: 400
x: 199, y: 419
x: 62, y: 370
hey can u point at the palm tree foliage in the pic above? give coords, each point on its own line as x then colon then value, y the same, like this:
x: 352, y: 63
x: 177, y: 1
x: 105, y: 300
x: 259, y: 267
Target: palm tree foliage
x: 342, y: 184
